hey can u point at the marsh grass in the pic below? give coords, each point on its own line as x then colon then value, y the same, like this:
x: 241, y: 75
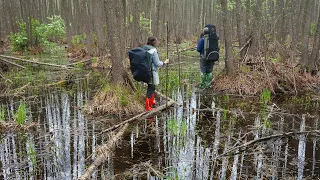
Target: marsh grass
x: 20, y: 115
x: 2, y: 112
x: 265, y: 98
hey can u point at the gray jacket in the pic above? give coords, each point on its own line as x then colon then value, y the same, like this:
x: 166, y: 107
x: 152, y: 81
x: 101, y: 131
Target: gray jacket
x: 155, y: 64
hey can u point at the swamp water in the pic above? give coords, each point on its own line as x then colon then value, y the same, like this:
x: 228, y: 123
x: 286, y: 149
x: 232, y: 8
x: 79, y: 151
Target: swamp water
x: 199, y: 140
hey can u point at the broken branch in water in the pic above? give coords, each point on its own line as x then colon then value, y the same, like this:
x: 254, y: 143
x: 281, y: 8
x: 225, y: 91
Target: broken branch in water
x: 143, y: 169
x: 266, y: 138
x: 103, y: 153
x: 35, y: 62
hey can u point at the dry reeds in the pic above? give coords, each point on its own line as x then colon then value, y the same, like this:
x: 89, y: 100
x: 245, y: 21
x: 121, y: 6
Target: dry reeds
x: 13, y: 126
x: 280, y: 77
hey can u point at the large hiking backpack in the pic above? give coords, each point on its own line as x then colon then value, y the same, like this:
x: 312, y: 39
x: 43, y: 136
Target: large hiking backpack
x: 211, y: 45
x: 140, y: 64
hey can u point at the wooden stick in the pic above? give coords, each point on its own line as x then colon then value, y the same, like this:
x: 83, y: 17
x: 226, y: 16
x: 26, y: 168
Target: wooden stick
x: 1, y: 75
x: 143, y: 115
x: 12, y: 63
x: 243, y: 46
x: 83, y: 61
x: 103, y: 153
x: 34, y: 62
x: 268, y: 138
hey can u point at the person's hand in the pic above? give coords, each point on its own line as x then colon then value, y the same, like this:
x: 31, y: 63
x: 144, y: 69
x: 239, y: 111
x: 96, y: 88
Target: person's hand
x: 166, y: 61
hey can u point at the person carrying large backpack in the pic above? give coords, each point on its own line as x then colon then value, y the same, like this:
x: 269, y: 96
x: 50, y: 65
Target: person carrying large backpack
x: 145, y: 62
x: 208, y: 47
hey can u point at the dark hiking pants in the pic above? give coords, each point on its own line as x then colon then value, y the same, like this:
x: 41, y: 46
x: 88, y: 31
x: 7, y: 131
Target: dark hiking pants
x: 150, y: 90
x: 206, y: 66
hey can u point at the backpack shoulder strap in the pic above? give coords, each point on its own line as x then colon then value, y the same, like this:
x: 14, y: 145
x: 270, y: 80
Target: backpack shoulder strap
x: 153, y: 50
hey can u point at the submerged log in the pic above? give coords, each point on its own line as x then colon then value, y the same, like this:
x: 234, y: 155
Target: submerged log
x: 168, y: 98
x: 104, y: 152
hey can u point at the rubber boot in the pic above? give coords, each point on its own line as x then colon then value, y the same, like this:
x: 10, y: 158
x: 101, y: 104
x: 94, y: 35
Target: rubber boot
x: 208, y: 80
x: 152, y: 100
x: 148, y: 107
x: 203, y: 80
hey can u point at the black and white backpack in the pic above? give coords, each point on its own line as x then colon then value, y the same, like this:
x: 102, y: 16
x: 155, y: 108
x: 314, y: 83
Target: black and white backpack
x: 211, y: 44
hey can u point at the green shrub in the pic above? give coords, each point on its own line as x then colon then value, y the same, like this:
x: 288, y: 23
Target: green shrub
x: 78, y: 40
x: 55, y: 30
x: 19, y: 40
x: 43, y: 35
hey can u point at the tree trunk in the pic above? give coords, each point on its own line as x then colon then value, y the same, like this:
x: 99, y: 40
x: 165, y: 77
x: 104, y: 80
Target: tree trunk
x: 314, y: 58
x: 304, y: 46
x: 281, y: 23
x: 256, y: 28
x: 67, y: 15
x: 248, y: 16
x: 136, y: 24
x: 227, y: 37
x: 87, y: 21
x: 157, y: 20
x: 115, y: 39
x: 240, y: 26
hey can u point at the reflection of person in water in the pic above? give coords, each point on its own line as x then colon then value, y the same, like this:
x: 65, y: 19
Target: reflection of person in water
x: 205, y: 117
x: 150, y: 120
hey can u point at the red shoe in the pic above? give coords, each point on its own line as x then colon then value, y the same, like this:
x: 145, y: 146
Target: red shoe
x: 152, y: 100
x: 148, y: 107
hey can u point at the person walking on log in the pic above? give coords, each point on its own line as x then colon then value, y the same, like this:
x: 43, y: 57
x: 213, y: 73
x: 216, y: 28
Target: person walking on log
x: 155, y: 64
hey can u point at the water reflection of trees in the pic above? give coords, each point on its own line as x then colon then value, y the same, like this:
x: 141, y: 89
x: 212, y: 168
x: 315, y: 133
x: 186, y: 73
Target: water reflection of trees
x: 58, y: 147
x: 209, y: 135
